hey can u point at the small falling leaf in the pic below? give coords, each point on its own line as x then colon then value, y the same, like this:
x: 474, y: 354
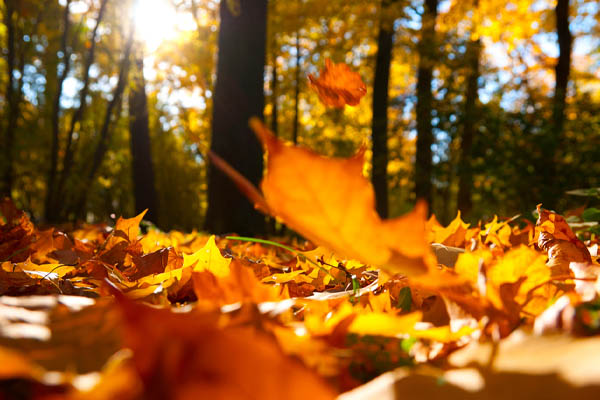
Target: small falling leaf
x: 338, y: 85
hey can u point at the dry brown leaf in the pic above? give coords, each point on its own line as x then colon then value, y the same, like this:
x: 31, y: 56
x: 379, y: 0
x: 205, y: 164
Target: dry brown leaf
x: 338, y: 85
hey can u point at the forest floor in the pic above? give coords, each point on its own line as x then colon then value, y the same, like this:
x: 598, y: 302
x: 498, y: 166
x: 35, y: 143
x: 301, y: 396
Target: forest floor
x: 103, y: 312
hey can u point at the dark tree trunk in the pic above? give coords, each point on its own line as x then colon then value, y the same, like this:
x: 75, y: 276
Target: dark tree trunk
x: 67, y: 161
x: 274, y: 102
x: 12, y: 101
x: 427, y: 51
x: 379, y: 124
x: 141, y: 156
x: 471, y: 114
x: 51, y: 213
x: 562, y: 71
x: 238, y: 96
x: 296, y: 126
x: 104, y: 140
x: 563, y: 66
x: 271, y: 225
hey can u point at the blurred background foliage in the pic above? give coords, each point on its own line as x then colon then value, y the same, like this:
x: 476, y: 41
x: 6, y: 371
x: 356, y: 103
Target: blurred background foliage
x: 519, y: 156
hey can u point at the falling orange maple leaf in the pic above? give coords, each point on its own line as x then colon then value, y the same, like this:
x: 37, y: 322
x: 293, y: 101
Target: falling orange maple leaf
x: 329, y: 201
x: 338, y: 85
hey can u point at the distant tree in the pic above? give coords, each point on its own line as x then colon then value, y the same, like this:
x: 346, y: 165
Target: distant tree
x: 297, y: 71
x: 141, y: 156
x: 427, y: 50
x: 238, y: 96
x: 50, y: 208
x: 13, y: 94
x: 54, y: 192
x: 554, y: 135
x: 470, y: 120
x: 379, y: 125
x: 103, y: 142
x: 274, y: 93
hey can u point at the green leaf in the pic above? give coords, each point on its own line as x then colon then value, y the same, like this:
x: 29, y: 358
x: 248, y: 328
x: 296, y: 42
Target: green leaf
x: 591, y: 214
x: 407, y: 344
x: 404, y: 299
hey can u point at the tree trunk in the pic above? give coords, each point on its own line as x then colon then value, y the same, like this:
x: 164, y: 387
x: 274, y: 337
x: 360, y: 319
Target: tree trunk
x: 51, y: 213
x: 296, y: 126
x: 271, y: 225
x: 238, y: 96
x: 67, y: 161
x: 427, y: 52
x: 274, y: 102
x: 562, y: 71
x: 471, y: 114
x: 379, y: 125
x: 102, y: 146
x: 11, y: 100
x: 141, y: 155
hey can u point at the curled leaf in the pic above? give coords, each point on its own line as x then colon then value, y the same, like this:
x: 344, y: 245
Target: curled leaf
x: 557, y: 238
x: 338, y: 85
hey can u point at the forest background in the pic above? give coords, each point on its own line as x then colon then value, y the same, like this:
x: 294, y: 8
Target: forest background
x: 486, y: 106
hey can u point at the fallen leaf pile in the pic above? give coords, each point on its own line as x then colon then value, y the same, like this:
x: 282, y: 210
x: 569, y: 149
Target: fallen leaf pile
x: 370, y: 308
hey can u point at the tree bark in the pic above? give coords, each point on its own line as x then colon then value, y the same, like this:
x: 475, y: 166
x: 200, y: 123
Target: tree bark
x: 427, y: 51
x: 379, y: 124
x: 67, y: 161
x: 562, y: 72
x: 51, y: 213
x: 296, y: 126
x: 12, y: 102
x: 141, y: 155
x: 238, y: 96
x: 274, y: 102
x: 563, y: 66
x: 471, y: 114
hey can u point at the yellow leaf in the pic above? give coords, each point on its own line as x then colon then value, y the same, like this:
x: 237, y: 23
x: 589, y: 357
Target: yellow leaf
x: 384, y: 324
x: 297, y: 276
x: 391, y: 325
x: 452, y: 235
x: 208, y: 258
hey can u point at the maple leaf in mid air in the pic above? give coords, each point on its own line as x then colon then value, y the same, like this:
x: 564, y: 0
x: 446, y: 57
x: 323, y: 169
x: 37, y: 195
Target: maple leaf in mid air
x: 329, y: 201
x: 337, y: 85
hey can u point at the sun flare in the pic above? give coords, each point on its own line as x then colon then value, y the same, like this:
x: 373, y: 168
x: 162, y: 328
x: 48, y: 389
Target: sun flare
x: 157, y: 21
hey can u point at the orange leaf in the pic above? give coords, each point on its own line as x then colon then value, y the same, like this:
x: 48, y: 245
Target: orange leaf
x: 129, y: 227
x: 452, y: 235
x: 193, y: 355
x: 557, y: 238
x: 338, y: 85
x: 330, y: 202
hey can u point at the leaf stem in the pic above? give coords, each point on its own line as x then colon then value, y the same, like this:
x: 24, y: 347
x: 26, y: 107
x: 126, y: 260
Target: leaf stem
x: 282, y: 246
